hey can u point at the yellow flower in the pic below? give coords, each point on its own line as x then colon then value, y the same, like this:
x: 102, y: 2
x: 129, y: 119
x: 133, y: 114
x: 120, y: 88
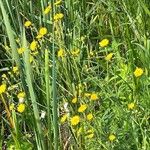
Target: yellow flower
x: 74, y: 100
x: 75, y: 120
x: 15, y: 69
x: 75, y: 52
x: 11, y: 106
x: 33, y: 45
x: 20, y: 50
x: 21, y: 108
x: 27, y: 23
x: 82, y: 108
x: 58, y: 2
x: 112, y: 137
x: 89, y: 116
x: 21, y: 95
x: 94, y: 96
x: 138, y: 72
x: 2, y: 88
x: 61, y: 53
x: 58, y: 16
x: 63, y: 118
x: 42, y: 31
x: 131, y: 106
x: 90, y: 135
x: 104, y: 43
x: 109, y: 56
x: 47, y: 10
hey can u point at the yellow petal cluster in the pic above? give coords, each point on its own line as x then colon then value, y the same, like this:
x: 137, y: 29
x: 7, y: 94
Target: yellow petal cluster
x: 74, y: 100
x: 27, y: 23
x: 131, y: 106
x: 21, y: 95
x: 138, y: 72
x: 15, y: 69
x: 33, y: 45
x: 21, y: 50
x: 82, y: 108
x: 43, y: 31
x: 109, y: 57
x: 58, y: 16
x: 2, y: 88
x: 104, y: 43
x: 47, y: 9
x: 61, y: 53
x: 89, y: 116
x: 58, y: 2
x: 94, y: 96
x: 63, y: 118
x: 75, y: 120
x: 112, y: 137
x: 21, y: 108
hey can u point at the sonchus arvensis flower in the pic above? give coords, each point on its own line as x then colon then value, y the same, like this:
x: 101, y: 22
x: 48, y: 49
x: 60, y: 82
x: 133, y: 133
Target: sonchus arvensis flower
x: 2, y: 88
x: 104, y: 43
x: 138, y: 72
x: 75, y: 120
x: 109, y: 57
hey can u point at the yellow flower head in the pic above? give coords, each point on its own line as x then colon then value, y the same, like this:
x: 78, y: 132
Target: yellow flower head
x: 47, y: 9
x: 15, y: 69
x: 33, y: 45
x: 2, y: 88
x: 61, y: 53
x: 21, y: 108
x: 109, y: 57
x: 43, y: 31
x: 58, y: 16
x: 63, y: 118
x: 21, y: 50
x: 27, y: 23
x: 11, y: 106
x: 74, y: 100
x: 21, y: 95
x: 75, y: 120
x: 89, y: 116
x: 58, y: 2
x: 138, y: 72
x: 94, y: 96
x: 82, y: 108
x: 104, y: 43
x: 131, y: 106
x: 112, y: 137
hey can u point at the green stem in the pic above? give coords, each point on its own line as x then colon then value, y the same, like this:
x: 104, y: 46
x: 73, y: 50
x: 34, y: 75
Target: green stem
x: 55, y: 103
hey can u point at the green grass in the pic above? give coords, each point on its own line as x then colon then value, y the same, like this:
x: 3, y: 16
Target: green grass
x: 51, y: 82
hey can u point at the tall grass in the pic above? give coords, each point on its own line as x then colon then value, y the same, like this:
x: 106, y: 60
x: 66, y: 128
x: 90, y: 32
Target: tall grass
x: 69, y: 64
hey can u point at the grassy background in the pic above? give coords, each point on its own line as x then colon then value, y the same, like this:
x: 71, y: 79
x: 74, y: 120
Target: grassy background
x: 50, y: 81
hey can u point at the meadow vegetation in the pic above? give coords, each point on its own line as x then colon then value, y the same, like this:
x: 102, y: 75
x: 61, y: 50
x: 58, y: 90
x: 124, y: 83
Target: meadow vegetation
x: 75, y: 74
